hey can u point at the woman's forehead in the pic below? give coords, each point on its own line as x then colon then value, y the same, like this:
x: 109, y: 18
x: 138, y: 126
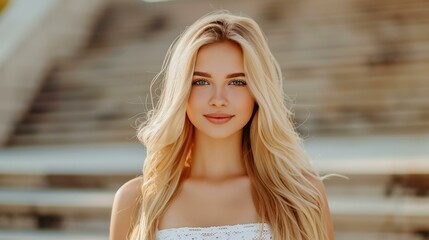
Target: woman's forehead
x: 221, y: 58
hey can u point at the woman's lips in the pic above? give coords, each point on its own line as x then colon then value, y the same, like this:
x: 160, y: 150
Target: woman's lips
x: 218, y: 118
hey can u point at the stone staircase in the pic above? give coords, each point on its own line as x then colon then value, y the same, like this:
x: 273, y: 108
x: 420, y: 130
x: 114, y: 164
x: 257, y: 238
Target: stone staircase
x: 63, y: 193
x: 370, y: 78
x: 67, y: 192
x: 352, y: 69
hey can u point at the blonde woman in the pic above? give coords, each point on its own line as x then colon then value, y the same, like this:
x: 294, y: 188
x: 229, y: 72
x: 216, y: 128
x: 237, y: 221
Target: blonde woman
x: 223, y: 158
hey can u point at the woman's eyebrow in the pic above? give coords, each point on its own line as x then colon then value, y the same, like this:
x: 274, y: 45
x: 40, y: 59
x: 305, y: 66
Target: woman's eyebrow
x: 232, y: 75
x: 203, y: 74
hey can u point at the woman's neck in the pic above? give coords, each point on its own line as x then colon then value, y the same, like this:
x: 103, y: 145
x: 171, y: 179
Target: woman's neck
x: 217, y: 159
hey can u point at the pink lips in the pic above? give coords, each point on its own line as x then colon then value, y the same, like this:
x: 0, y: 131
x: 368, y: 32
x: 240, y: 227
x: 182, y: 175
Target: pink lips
x: 218, y: 118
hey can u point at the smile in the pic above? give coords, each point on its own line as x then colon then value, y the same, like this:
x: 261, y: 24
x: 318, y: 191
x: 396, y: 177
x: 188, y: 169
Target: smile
x: 218, y: 118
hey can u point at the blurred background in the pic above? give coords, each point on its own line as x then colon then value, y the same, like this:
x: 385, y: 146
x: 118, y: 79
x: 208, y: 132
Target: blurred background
x: 74, y: 84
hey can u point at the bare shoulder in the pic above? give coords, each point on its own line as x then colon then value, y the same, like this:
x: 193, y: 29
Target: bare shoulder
x: 130, y: 191
x: 124, y: 209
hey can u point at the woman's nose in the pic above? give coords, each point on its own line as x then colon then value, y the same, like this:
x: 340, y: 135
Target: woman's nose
x: 218, y: 97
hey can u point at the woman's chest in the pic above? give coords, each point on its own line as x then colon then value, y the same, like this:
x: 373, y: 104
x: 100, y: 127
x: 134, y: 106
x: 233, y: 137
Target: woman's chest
x: 205, y: 205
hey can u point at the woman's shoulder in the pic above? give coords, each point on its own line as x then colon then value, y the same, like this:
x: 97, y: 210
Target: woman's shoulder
x: 125, y: 204
x: 128, y: 195
x: 129, y: 191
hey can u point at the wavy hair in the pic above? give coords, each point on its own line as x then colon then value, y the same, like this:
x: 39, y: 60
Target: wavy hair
x: 275, y: 160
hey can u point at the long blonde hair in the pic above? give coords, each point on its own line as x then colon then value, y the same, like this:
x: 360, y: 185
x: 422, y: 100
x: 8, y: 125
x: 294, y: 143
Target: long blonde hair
x: 273, y: 151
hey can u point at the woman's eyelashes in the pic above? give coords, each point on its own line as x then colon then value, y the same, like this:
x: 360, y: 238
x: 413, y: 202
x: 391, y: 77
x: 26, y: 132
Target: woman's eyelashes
x: 200, y: 82
x: 236, y: 82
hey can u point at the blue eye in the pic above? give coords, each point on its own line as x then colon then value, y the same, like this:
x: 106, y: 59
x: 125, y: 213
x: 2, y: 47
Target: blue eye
x: 200, y: 82
x: 238, y: 82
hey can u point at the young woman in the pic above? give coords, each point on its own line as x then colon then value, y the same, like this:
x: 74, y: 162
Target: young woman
x: 223, y: 158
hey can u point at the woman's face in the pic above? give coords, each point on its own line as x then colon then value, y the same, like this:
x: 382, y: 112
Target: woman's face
x: 220, y: 103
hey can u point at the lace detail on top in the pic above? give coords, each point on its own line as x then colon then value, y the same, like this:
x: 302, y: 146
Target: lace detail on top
x: 249, y: 231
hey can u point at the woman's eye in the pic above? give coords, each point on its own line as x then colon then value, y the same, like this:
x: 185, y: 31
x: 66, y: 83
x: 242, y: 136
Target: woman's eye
x: 200, y: 82
x: 238, y: 82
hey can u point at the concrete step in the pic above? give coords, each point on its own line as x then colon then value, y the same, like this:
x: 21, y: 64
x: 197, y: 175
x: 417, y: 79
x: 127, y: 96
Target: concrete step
x: 46, y: 221
x: 407, y: 71
x: 421, y: 56
x: 96, y: 124
x: 35, y: 180
x: 66, y: 209
x: 346, y: 31
x: 76, y: 138
x: 305, y: 116
x: 363, y: 128
x: 76, y: 202
x: 387, y: 97
x: 49, y: 235
x: 77, y: 160
x: 109, y: 107
x: 374, y: 235
x: 410, y: 50
x: 402, y: 214
x: 352, y: 104
x: 91, y: 90
x: 81, y: 115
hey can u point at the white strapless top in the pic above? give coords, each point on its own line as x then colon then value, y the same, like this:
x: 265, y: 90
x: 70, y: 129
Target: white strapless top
x: 248, y: 231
